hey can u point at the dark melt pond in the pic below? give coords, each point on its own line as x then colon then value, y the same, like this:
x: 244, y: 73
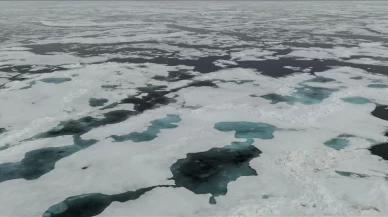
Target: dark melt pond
x: 93, y: 204
x: 305, y: 94
x: 356, y: 100
x: 94, y: 102
x: 378, y: 86
x: 210, y: 172
x: 152, y: 131
x: 55, y: 80
x: 85, y: 124
x: 47, y: 80
x: 351, y: 174
x: 202, y: 173
x: 320, y: 79
x: 41, y: 161
x: 2, y: 130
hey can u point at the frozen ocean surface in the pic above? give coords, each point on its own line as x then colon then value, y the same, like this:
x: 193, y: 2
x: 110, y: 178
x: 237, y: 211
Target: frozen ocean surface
x: 193, y: 109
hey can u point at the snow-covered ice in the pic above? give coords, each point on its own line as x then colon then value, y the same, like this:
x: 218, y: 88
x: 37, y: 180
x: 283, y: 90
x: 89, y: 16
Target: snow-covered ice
x: 193, y: 109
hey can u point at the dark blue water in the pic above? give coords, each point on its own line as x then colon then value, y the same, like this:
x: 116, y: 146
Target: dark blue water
x: 380, y: 150
x: 381, y: 111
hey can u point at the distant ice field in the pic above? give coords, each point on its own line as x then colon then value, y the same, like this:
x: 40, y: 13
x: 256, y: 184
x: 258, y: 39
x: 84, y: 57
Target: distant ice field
x: 193, y: 108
